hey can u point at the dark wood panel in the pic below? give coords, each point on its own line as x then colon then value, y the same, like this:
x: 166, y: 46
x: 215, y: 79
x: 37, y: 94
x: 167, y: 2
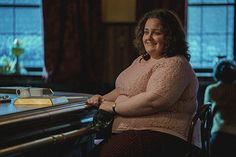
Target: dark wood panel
x: 119, y: 50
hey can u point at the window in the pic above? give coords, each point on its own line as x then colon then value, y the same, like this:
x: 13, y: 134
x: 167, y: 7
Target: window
x: 22, y: 20
x: 210, y: 31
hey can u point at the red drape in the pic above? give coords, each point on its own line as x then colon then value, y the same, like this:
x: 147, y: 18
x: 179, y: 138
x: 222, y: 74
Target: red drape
x: 72, y: 41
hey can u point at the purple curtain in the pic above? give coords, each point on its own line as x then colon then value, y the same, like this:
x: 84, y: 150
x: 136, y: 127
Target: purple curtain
x: 72, y: 41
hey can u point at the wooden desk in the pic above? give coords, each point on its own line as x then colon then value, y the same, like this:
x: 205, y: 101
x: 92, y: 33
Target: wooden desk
x: 22, y: 130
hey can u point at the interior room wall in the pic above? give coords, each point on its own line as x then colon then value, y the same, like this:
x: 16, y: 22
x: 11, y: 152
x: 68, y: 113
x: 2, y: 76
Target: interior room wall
x: 118, y: 18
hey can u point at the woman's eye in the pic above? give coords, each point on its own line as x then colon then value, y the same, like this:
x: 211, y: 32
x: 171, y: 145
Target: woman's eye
x: 146, y: 32
x: 157, y: 33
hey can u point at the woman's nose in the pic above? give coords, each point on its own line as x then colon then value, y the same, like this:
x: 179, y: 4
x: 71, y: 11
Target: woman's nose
x: 149, y: 36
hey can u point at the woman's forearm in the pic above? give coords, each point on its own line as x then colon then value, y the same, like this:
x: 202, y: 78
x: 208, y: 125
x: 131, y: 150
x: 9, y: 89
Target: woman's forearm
x: 141, y: 105
x: 111, y: 96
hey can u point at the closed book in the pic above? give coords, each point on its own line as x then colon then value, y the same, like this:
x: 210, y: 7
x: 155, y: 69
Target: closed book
x: 42, y: 101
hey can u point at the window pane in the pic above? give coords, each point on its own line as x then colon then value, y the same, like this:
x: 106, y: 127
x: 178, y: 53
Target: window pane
x: 229, y: 50
x: 6, y: 24
x: 28, y: 20
x: 195, y: 46
x: 7, y: 60
x: 209, y: 1
x: 218, y: 1
x: 32, y: 56
x: 194, y: 19
x: 5, y: 44
x: 213, y: 46
x: 230, y: 19
x: 215, y: 1
x: 28, y: 2
x: 24, y: 23
x: 6, y: 1
x: 194, y: 1
x: 210, y: 32
x: 214, y: 19
x: 32, y: 2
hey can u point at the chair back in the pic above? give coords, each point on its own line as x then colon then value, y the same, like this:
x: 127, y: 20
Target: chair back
x: 203, y: 114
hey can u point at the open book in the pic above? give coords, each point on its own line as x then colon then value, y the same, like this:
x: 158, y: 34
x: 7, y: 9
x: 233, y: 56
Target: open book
x: 42, y: 101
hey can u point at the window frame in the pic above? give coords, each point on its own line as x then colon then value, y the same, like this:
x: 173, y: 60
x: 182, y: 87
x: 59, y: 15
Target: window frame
x: 31, y: 71
x: 207, y: 72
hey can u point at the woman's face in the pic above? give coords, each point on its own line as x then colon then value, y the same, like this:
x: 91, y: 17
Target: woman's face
x: 153, y: 38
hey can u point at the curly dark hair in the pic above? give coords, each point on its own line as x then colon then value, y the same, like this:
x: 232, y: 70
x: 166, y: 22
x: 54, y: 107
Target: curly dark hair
x: 174, y: 35
x: 225, y: 71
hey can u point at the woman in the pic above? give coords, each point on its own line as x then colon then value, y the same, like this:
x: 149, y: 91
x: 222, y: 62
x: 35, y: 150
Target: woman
x: 222, y: 95
x: 156, y: 96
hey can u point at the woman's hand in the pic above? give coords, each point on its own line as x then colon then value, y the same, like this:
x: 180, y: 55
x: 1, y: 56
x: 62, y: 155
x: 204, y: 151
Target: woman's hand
x: 95, y: 100
x: 107, y: 106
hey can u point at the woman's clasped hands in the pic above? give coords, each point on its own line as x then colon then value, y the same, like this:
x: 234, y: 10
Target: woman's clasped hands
x: 95, y: 100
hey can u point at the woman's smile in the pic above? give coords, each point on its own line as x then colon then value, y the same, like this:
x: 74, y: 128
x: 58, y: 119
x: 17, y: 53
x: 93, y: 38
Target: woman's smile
x: 153, y: 38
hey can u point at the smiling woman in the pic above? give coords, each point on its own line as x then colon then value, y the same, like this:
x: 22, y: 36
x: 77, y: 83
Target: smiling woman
x: 155, y: 97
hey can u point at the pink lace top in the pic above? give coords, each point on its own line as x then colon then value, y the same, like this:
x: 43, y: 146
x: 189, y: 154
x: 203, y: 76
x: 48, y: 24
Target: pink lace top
x: 172, y: 78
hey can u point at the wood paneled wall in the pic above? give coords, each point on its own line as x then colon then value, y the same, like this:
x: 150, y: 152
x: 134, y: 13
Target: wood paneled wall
x: 119, y: 49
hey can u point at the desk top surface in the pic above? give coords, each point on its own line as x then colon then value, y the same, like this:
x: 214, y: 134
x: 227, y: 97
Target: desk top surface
x: 22, y: 126
x: 10, y: 108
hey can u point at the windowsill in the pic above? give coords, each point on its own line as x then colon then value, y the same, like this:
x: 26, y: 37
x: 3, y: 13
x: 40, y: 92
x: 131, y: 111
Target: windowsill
x: 30, y: 73
x: 26, y: 71
x: 204, y: 78
x: 31, y: 78
x: 204, y: 74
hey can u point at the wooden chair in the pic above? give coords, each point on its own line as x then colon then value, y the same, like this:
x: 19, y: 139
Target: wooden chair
x: 203, y: 114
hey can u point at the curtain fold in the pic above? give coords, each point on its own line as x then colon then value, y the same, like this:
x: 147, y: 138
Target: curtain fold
x: 72, y: 36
